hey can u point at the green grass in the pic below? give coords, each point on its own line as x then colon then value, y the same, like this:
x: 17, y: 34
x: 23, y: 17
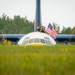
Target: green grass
x: 37, y: 60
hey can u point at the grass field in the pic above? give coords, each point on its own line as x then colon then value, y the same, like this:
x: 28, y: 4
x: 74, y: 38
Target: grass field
x: 37, y: 60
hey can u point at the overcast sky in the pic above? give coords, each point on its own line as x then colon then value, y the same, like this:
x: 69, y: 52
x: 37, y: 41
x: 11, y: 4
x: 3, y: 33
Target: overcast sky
x: 61, y: 12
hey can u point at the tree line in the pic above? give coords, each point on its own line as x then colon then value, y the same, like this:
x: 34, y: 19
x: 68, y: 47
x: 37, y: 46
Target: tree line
x: 20, y: 25
x: 65, y: 30
x: 17, y: 25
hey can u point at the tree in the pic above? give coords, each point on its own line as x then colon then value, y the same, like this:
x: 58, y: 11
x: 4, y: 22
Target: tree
x: 67, y: 30
x: 73, y: 30
x: 17, y: 25
x: 56, y: 26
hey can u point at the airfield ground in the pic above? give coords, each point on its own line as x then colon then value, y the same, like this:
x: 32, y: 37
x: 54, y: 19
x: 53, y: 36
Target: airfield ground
x: 37, y: 60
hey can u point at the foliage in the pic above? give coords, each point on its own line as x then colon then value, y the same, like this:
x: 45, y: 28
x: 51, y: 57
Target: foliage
x: 37, y: 60
x: 73, y: 30
x: 65, y: 30
x: 68, y: 30
x: 18, y: 25
x: 56, y: 26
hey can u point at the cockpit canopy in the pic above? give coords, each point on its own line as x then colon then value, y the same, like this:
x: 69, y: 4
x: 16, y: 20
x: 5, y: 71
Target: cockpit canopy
x: 36, y: 38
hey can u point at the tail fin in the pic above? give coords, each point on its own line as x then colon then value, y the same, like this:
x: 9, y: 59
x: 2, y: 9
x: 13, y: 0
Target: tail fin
x: 37, y: 16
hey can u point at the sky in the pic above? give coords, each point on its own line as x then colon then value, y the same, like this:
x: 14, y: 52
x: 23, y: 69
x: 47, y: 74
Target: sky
x: 61, y: 12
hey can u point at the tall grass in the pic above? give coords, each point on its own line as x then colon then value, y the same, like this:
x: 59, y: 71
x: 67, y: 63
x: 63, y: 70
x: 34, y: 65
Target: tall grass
x: 37, y: 60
